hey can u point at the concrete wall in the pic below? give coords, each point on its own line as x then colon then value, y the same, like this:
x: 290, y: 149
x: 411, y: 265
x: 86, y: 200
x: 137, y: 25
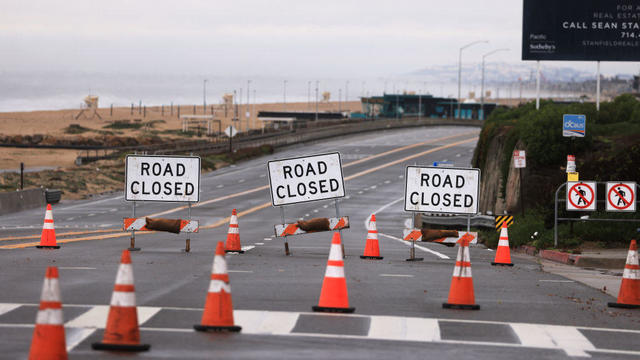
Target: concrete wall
x: 15, y: 201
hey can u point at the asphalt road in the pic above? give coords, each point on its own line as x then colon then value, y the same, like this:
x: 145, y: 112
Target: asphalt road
x: 524, y: 311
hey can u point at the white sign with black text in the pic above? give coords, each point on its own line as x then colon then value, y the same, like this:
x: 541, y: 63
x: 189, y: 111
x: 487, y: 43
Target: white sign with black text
x: 442, y: 190
x: 304, y: 179
x: 519, y: 159
x: 162, y: 178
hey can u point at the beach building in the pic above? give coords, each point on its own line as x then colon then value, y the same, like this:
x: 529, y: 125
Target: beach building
x: 403, y: 105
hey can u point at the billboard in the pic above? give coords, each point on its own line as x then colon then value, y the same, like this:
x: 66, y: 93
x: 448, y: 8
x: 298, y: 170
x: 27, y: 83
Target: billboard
x: 596, y: 30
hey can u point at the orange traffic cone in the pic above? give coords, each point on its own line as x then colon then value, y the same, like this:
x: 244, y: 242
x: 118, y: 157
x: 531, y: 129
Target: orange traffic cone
x: 461, y: 293
x: 122, y: 332
x: 218, y: 309
x: 48, y: 337
x: 503, y: 254
x: 629, y: 295
x: 334, y: 296
x: 371, y: 248
x: 48, y: 237
x: 233, y: 236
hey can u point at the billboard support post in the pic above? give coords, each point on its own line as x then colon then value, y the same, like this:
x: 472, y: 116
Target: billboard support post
x: 598, y: 87
x: 538, y: 85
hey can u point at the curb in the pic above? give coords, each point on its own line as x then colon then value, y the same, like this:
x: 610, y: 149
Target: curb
x: 558, y: 256
x: 572, y: 259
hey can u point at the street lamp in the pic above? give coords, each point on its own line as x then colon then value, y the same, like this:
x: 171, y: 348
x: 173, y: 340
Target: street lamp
x: 204, y: 97
x: 284, y: 95
x: 460, y: 68
x: 482, y: 83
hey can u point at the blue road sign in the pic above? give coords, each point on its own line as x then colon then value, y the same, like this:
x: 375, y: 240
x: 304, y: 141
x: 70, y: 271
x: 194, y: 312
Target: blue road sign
x: 574, y: 125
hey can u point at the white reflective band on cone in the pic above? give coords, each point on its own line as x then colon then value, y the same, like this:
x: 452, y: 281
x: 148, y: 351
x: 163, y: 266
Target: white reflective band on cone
x: 50, y: 290
x: 632, y: 257
x: 219, y: 265
x: 216, y: 285
x: 48, y: 215
x: 123, y: 298
x: 503, y: 233
x: 48, y: 226
x: 233, y: 230
x: 460, y: 271
x: 335, y: 253
x: 125, y: 275
x: 49, y: 317
x: 632, y: 274
x: 503, y: 243
x: 334, y: 271
x: 373, y: 236
x: 466, y: 256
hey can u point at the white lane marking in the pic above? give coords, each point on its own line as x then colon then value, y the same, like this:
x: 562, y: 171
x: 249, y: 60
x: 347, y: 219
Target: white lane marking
x: 76, y: 268
x: 306, y: 215
x: 458, y: 155
x: 557, y: 281
x: 5, y: 308
x: 90, y: 203
x: 241, y: 181
x: 489, y: 249
x: 440, y: 255
x: 220, y: 186
x: 397, y: 275
x: 243, y: 248
x: 241, y: 271
x: 266, y: 322
x: 387, y: 182
x: 412, y: 329
x: 325, y: 206
x: 379, y: 210
x: 113, y: 210
x: 315, y: 211
x: 74, y: 336
x: 267, y: 239
x: 91, y: 215
x: 373, y: 187
x: 539, y: 336
x: 263, y: 175
x: 360, y: 192
x: 260, y: 243
x: 71, y: 218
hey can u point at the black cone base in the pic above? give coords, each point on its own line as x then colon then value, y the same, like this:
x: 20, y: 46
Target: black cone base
x: 372, y: 257
x: 133, y: 249
x: 415, y: 259
x: 209, y: 328
x: 234, y: 251
x: 461, y: 306
x: 502, y: 264
x: 120, y: 347
x: 48, y: 246
x: 333, y: 309
x: 624, y: 306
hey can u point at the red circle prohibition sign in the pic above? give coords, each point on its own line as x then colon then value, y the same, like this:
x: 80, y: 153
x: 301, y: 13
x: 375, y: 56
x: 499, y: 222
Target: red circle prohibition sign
x: 626, y: 203
x: 588, y: 203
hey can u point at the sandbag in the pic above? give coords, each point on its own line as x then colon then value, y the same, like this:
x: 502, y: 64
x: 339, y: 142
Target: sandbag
x: 168, y: 225
x: 430, y: 234
x: 315, y: 224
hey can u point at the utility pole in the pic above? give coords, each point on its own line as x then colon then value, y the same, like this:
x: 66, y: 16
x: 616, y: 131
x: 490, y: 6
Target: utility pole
x: 482, y: 117
x: 204, y: 96
x: 309, y: 95
x: 248, y: 103
x: 340, y: 100
x: 317, y: 83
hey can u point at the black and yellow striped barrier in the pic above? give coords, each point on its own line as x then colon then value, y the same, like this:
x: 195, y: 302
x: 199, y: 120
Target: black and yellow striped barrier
x: 502, y: 219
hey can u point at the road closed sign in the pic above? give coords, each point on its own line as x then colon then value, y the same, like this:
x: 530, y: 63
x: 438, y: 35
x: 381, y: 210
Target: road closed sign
x: 162, y: 178
x: 442, y: 190
x: 306, y: 178
x: 621, y: 196
x: 581, y: 195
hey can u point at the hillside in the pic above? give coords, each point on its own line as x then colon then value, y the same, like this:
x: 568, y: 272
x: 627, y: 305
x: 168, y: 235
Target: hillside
x: 609, y: 151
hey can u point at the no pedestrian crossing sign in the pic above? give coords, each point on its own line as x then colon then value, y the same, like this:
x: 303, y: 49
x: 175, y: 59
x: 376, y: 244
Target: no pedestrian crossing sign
x: 306, y: 178
x: 442, y: 190
x: 162, y: 178
x: 621, y: 196
x: 581, y: 195
x: 574, y: 125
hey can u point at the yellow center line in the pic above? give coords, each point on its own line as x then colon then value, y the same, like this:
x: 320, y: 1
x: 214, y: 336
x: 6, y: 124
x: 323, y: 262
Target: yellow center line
x: 71, y: 233
x: 267, y: 204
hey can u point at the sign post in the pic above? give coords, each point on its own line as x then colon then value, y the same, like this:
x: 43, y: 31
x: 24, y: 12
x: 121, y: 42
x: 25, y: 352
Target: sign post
x: 305, y: 179
x: 442, y: 190
x: 520, y: 162
x: 621, y: 196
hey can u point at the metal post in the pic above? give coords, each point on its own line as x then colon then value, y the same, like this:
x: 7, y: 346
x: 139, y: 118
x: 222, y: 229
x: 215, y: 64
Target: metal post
x: 468, y: 223
x: 187, y: 243
x: 317, y: 82
x: 419, y: 107
x: 111, y: 111
x: 482, y: 91
x: 555, y: 217
x: 248, y: 102
x: 412, y: 250
x: 521, y: 189
x: 286, y: 243
x: 344, y: 255
x: 204, y: 97
x: 284, y: 96
x: 538, y: 86
x: 133, y: 247
x: 21, y: 176
x: 598, y: 88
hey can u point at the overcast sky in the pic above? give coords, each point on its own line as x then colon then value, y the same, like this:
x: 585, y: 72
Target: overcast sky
x: 259, y: 37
